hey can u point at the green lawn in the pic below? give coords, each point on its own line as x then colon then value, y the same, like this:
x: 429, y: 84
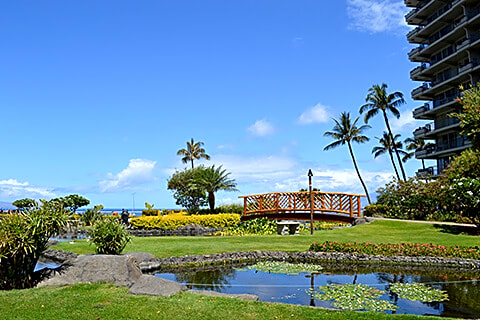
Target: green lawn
x: 378, y: 231
x: 105, y: 301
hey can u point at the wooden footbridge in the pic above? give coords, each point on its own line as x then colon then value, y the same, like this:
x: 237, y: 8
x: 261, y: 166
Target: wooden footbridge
x: 327, y: 206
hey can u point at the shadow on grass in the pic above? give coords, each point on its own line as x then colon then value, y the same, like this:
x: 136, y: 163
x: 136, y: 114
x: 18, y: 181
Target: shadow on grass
x: 470, y: 230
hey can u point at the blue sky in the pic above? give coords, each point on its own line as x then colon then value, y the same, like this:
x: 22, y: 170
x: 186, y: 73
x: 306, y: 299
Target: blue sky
x: 96, y: 97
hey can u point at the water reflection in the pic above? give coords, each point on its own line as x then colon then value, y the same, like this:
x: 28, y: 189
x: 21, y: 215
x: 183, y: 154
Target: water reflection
x: 462, y: 288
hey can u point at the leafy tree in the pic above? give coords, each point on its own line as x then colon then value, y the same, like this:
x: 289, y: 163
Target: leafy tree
x: 413, y: 145
x: 23, y: 238
x: 193, y: 151
x: 187, y: 193
x: 71, y: 202
x: 25, y: 203
x: 470, y: 115
x: 386, y: 146
x: 378, y: 100
x: 213, y: 179
x: 345, y: 132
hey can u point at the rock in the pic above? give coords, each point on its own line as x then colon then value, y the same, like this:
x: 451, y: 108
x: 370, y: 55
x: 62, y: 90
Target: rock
x: 359, y: 221
x: 140, y: 256
x: 120, y: 270
x: 243, y: 296
x: 52, y: 242
x: 59, y: 256
x: 155, y: 286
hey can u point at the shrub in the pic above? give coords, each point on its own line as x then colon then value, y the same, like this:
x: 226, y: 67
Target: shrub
x: 150, y: 212
x: 250, y: 227
x: 375, y: 210
x: 402, y: 249
x: 91, y: 215
x: 230, y: 208
x: 23, y: 238
x: 174, y: 221
x: 109, y: 236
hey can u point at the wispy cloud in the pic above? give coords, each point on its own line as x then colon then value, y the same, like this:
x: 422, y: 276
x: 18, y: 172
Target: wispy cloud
x: 13, y: 189
x: 376, y: 15
x: 316, y: 114
x: 137, y: 173
x: 406, y: 123
x: 261, y: 128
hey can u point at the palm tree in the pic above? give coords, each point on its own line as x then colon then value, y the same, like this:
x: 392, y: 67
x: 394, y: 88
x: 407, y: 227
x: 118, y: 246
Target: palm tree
x: 193, y: 151
x: 386, y: 145
x: 214, y: 179
x: 413, y: 145
x: 379, y: 100
x: 346, y: 132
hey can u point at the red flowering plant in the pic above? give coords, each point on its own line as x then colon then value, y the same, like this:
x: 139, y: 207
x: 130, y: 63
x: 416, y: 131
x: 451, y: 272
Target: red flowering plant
x: 470, y: 115
x: 398, y: 249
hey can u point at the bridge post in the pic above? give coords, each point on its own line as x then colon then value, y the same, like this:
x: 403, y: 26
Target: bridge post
x: 276, y: 203
x: 359, y: 208
x: 351, y: 206
x: 245, y: 206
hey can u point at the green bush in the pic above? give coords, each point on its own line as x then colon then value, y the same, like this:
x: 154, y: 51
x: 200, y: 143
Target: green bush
x: 109, y: 236
x: 176, y: 220
x: 375, y: 210
x: 402, y: 249
x: 23, y: 238
x: 150, y: 212
x: 251, y: 227
x: 230, y: 208
x: 91, y: 215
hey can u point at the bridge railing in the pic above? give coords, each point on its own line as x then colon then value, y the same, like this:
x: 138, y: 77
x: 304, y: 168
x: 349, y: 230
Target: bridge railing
x: 291, y: 202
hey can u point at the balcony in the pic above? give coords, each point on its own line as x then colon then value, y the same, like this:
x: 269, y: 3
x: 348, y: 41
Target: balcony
x: 422, y: 131
x: 413, y: 33
x: 411, y: 14
x: 425, y: 152
x: 428, y: 172
x: 420, y: 110
x: 466, y: 67
x: 418, y: 70
x: 424, y: 87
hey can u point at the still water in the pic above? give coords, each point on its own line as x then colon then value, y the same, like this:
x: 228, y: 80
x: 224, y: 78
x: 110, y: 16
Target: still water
x: 462, y: 288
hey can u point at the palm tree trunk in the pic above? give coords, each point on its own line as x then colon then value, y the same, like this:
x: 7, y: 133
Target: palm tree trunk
x: 211, y: 201
x: 394, y: 146
x: 192, y: 162
x: 358, y: 172
x: 393, y: 163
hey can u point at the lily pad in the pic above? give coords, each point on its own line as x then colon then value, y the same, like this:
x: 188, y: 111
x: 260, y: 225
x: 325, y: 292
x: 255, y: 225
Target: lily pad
x: 418, y: 291
x: 284, y: 267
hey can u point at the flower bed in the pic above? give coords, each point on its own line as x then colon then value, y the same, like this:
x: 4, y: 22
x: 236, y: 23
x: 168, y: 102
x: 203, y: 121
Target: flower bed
x: 174, y: 221
x: 402, y: 249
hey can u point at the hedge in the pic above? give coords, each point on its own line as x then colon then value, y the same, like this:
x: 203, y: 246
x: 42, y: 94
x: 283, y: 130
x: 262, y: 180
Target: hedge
x: 174, y: 221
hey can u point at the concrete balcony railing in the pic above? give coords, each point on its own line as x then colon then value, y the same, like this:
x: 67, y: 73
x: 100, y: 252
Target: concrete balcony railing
x: 425, y: 86
x: 418, y: 70
x: 466, y: 67
x: 416, y: 50
x: 418, y: 111
x: 414, y: 32
x: 424, y: 152
x: 427, y: 172
x: 411, y: 14
x: 422, y: 130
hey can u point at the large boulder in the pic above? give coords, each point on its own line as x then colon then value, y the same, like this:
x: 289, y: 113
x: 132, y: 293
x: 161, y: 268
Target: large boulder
x: 155, y: 286
x: 88, y: 268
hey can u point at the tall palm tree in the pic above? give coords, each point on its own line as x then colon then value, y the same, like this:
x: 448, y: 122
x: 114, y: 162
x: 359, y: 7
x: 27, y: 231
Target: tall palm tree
x: 413, y: 145
x: 214, y: 179
x: 346, y: 132
x: 378, y: 100
x: 386, y: 145
x: 193, y: 151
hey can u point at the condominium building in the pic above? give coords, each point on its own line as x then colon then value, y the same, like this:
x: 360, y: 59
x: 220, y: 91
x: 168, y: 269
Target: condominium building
x: 448, y: 52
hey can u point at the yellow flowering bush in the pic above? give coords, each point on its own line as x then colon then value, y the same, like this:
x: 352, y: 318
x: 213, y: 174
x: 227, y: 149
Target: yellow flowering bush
x: 176, y: 220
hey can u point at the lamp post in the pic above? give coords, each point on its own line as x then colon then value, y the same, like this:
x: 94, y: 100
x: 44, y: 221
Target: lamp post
x: 310, y: 175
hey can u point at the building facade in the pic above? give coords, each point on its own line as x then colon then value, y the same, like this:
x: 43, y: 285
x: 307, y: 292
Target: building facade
x: 447, y: 36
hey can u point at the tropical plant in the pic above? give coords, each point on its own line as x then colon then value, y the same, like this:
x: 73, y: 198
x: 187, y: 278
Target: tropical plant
x: 378, y: 100
x: 71, y: 202
x: 387, y: 146
x: 109, y: 236
x: 470, y: 115
x: 91, y: 215
x: 193, y: 151
x: 345, y: 132
x: 412, y: 145
x: 23, y: 238
x: 25, y: 203
x: 213, y: 179
x: 187, y: 192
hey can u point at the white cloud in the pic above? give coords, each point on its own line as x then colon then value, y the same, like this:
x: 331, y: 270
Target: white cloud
x: 138, y: 172
x: 261, y: 128
x: 377, y: 15
x: 406, y: 123
x: 13, y: 189
x: 317, y: 114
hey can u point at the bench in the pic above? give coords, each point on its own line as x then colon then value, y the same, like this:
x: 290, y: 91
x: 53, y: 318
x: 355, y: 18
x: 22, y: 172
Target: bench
x: 287, y: 227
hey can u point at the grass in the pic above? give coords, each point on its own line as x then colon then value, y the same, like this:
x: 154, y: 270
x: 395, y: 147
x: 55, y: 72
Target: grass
x: 378, y: 231
x: 105, y: 301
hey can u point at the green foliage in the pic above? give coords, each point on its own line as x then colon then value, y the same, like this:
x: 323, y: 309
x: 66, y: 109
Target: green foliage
x: 353, y: 297
x: 187, y: 193
x: 226, y: 208
x: 213, y: 179
x: 193, y: 151
x: 418, y: 291
x: 71, y: 202
x: 149, y: 206
x: 465, y: 165
x: 402, y: 249
x: 284, y: 267
x: 25, y: 203
x: 23, y: 238
x: 470, y: 115
x: 91, y: 215
x: 322, y: 225
x: 376, y: 210
x: 109, y: 236
x: 150, y: 212
x: 255, y: 226
x: 174, y: 221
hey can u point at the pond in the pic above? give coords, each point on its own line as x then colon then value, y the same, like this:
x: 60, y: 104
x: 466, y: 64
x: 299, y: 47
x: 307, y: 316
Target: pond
x: 462, y: 288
